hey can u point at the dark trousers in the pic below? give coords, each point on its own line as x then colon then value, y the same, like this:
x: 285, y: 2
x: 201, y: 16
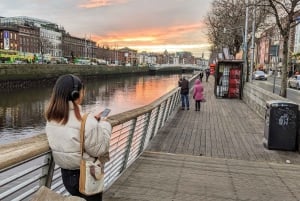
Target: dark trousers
x: 207, y: 78
x: 71, y: 181
x: 197, y: 105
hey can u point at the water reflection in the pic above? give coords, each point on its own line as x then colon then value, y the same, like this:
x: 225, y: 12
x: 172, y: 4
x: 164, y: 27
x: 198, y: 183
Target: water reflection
x: 22, y: 111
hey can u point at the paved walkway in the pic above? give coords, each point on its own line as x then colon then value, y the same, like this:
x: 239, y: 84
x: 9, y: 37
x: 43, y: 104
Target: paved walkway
x: 214, y: 154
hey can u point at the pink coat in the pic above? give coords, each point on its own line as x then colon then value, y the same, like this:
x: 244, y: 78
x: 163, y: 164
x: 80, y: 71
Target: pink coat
x: 198, y: 90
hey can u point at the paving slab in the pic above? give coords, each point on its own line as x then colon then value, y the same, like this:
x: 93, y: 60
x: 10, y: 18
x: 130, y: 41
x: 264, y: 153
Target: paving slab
x: 162, y: 176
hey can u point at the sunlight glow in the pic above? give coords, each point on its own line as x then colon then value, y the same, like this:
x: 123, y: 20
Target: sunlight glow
x: 134, y: 39
x: 101, y: 3
x: 197, y: 49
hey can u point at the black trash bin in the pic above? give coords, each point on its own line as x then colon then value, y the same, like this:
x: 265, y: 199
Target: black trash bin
x: 281, y: 121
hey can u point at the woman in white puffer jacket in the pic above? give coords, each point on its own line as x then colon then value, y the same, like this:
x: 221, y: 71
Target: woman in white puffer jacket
x: 63, y: 117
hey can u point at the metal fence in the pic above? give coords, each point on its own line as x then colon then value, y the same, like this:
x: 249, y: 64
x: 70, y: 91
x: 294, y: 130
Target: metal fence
x: 26, y: 165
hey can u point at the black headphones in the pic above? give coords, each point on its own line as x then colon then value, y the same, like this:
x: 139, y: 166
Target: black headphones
x: 74, y: 93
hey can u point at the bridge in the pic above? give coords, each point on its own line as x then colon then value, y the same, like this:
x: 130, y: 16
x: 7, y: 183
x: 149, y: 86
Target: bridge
x: 159, y: 152
x: 156, y: 67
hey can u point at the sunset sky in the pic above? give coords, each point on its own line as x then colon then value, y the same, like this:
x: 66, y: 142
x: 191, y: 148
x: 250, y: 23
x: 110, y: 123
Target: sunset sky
x: 150, y: 25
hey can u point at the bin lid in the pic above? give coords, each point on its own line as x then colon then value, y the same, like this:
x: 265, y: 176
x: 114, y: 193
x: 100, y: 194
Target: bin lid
x: 280, y: 103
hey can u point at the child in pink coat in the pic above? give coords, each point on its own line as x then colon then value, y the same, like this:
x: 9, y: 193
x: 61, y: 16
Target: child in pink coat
x: 198, y: 94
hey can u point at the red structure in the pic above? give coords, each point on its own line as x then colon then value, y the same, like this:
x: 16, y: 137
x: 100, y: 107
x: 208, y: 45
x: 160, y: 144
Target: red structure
x: 212, y: 68
x: 228, y: 79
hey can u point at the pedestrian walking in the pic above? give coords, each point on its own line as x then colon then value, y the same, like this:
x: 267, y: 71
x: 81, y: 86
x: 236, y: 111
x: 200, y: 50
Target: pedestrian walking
x: 198, y: 94
x: 184, y: 91
x: 201, y: 75
x: 207, y: 73
x: 64, y: 118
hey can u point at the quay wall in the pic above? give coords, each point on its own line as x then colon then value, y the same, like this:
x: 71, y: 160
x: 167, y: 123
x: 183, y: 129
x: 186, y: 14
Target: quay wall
x: 30, y: 75
x: 256, y: 98
x: 37, y: 71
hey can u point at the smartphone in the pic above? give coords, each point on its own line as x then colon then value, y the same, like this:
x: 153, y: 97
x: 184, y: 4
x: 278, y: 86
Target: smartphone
x: 105, y: 112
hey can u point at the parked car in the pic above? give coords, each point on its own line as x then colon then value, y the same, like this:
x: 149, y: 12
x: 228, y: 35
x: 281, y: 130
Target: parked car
x: 259, y: 75
x: 294, y: 81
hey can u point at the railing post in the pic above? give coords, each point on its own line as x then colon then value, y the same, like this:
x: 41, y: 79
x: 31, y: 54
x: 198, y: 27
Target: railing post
x: 171, y: 98
x: 49, y: 169
x: 145, y: 132
x: 177, y: 95
x: 155, y: 123
x: 163, y: 115
x: 168, y: 102
x: 130, y: 138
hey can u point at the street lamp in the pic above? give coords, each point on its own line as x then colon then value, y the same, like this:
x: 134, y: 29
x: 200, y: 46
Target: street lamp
x: 274, y: 49
x: 252, y: 42
x: 245, y: 41
x: 294, y: 61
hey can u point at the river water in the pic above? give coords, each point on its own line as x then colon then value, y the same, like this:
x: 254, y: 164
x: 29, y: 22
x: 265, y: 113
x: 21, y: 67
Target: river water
x: 22, y: 111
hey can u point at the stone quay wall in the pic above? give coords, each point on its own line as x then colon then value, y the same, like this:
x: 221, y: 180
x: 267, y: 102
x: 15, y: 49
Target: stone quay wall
x: 30, y: 75
x: 256, y: 98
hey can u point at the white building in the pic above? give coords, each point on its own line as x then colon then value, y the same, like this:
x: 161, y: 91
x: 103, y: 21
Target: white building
x: 145, y: 58
x: 50, y: 33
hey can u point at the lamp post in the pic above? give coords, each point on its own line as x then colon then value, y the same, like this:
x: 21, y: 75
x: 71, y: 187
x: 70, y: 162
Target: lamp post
x: 274, y: 52
x: 245, y: 41
x: 252, y: 42
x: 294, y: 61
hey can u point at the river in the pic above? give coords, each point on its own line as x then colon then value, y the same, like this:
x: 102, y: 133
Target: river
x: 22, y: 110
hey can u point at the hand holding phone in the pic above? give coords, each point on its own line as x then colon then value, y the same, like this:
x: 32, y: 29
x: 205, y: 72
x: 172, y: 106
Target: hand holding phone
x: 105, y: 112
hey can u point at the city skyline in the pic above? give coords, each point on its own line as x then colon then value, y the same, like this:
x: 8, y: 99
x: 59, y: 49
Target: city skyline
x: 152, y: 26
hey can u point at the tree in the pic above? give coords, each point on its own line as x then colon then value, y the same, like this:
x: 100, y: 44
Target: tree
x: 284, y: 13
x: 226, y: 25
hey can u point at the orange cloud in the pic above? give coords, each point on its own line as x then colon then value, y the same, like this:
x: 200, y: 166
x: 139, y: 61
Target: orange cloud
x: 101, y: 3
x: 155, y: 36
x: 174, y: 38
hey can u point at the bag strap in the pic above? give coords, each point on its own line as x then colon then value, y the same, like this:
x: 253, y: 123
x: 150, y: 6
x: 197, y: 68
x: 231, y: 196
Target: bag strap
x: 82, y: 128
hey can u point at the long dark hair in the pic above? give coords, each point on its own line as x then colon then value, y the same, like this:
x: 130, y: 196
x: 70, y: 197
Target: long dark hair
x: 67, y: 88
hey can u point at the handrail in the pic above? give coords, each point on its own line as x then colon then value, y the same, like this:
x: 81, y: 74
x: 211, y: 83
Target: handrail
x: 132, y: 131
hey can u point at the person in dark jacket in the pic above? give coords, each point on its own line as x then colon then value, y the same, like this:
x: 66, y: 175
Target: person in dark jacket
x: 184, y: 91
x: 201, y: 75
x: 207, y: 73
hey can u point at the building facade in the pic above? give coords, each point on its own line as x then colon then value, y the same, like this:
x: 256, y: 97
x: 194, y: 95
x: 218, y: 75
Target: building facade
x: 44, y: 41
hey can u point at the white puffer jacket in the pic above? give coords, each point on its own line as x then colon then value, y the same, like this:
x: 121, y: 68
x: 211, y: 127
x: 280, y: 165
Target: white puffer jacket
x: 64, y: 140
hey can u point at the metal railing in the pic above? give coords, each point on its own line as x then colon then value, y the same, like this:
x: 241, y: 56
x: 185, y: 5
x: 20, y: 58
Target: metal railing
x: 27, y: 164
